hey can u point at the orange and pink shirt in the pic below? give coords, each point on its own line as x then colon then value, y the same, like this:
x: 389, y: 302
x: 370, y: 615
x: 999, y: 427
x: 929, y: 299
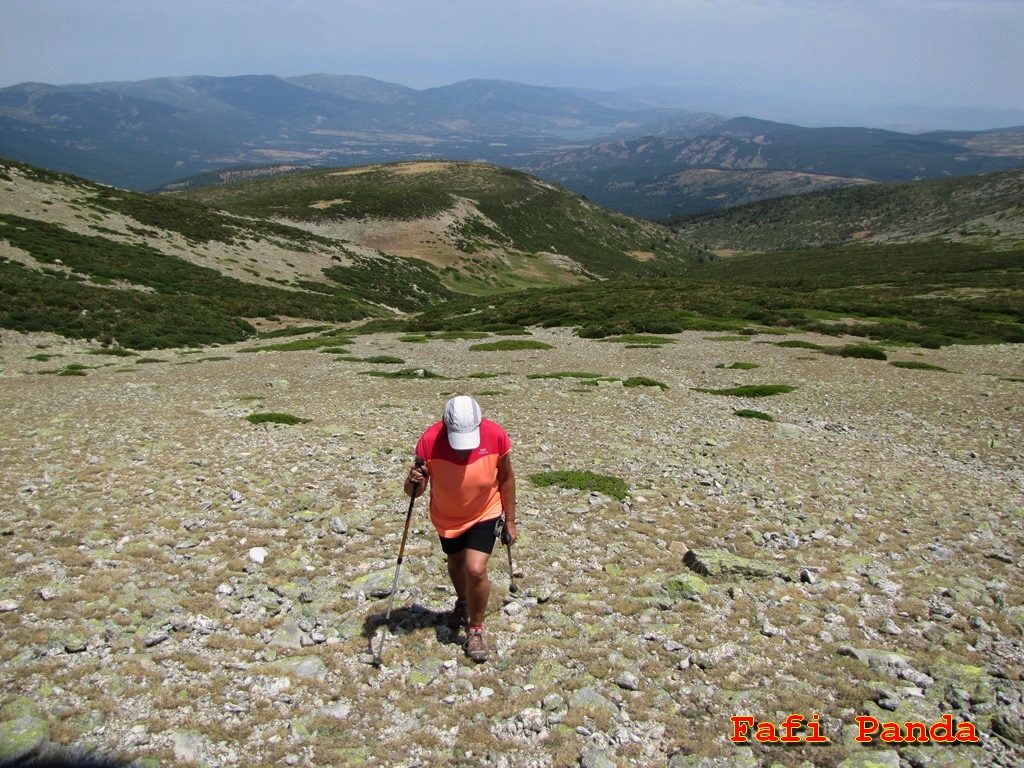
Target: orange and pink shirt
x: 463, y: 486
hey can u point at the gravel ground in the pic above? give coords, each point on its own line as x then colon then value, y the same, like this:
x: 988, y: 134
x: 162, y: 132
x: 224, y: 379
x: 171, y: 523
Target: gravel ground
x: 181, y: 586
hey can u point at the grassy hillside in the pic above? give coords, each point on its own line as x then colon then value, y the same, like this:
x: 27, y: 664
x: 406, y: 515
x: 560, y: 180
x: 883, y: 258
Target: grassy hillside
x: 985, y: 210
x: 478, y: 221
x: 147, y: 271
x: 89, y: 261
x: 930, y: 294
x: 418, y: 244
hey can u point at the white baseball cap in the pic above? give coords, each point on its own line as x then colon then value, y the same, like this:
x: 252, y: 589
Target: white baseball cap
x: 462, y: 419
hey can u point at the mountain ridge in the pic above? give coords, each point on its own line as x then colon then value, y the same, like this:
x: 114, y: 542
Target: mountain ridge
x: 144, y: 135
x: 655, y: 176
x: 170, y: 128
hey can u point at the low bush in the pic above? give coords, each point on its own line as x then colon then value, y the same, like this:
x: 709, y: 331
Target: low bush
x: 748, y: 414
x: 798, y: 344
x: 564, y: 375
x: 299, y: 331
x: 289, y: 346
x: 638, y: 338
x: 275, y: 418
x: 643, y: 381
x: 753, y: 390
x: 863, y: 351
x: 405, y: 373
x: 917, y: 365
x: 509, y: 345
x: 583, y: 481
x: 738, y: 366
x: 113, y: 351
x: 514, y: 331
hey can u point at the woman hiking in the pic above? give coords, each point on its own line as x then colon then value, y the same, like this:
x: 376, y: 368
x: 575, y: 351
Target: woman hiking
x: 468, y: 467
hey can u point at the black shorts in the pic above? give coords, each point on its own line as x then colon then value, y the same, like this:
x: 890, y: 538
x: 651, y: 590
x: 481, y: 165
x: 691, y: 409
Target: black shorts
x: 479, y: 537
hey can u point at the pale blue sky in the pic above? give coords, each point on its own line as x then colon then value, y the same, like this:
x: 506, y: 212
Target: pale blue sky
x: 941, y: 53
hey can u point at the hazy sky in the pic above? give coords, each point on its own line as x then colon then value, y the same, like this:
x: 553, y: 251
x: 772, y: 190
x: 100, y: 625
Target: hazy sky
x: 942, y: 53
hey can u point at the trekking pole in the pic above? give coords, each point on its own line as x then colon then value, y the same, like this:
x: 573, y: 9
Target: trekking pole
x: 377, y: 659
x: 506, y: 539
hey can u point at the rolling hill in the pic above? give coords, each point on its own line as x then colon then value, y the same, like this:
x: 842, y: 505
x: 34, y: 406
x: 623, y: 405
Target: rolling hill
x: 471, y: 247
x: 985, y: 210
x: 927, y: 262
x: 337, y: 246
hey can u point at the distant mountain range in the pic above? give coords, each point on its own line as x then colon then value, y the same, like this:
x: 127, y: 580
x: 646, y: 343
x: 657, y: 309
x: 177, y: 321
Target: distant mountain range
x: 744, y: 160
x: 142, y: 135
x: 627, y: 151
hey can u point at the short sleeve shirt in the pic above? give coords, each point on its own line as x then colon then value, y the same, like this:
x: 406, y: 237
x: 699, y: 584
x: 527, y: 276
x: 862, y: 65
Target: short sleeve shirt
x: 463, y: 485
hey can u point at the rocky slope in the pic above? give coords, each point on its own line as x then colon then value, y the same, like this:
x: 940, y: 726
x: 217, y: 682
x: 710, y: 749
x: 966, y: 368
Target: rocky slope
x: 181, y: 586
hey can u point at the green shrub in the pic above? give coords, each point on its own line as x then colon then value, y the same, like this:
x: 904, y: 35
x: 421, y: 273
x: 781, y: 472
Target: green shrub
x: 72, y: 369
x: 289, y: 346
x: 934, y: 342
x: 514, y: 331
x: 798, y: 344
x: 917, y: 365
x: 739, y: 366
x: 753, y: 390
x: 510, y: 345
x: 300, y: 331
x: 583, y: 481
x: 565, y: 375
x: 274, y: 418
x: 642, y: 381
x: 863, y: 351
x: 748, y: 414
x: 459, y: 335
x: 384, y: 360
x: 114, y: 351
x: 405, y: 373
x: 638, y: 338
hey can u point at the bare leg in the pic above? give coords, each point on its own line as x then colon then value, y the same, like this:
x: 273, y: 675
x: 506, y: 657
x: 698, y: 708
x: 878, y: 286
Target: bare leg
x: 457, y: 573
x: 478, y: 586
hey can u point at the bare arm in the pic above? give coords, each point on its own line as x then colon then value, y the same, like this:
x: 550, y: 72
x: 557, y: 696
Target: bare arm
x: 416, y: 480
x: 507, y: 489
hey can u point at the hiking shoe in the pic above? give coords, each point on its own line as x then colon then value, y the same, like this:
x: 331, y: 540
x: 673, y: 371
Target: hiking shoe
x: 459, y: 617
x: 476, y: 648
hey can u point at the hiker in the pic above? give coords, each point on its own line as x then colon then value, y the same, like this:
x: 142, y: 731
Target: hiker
x: 472, y: 487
